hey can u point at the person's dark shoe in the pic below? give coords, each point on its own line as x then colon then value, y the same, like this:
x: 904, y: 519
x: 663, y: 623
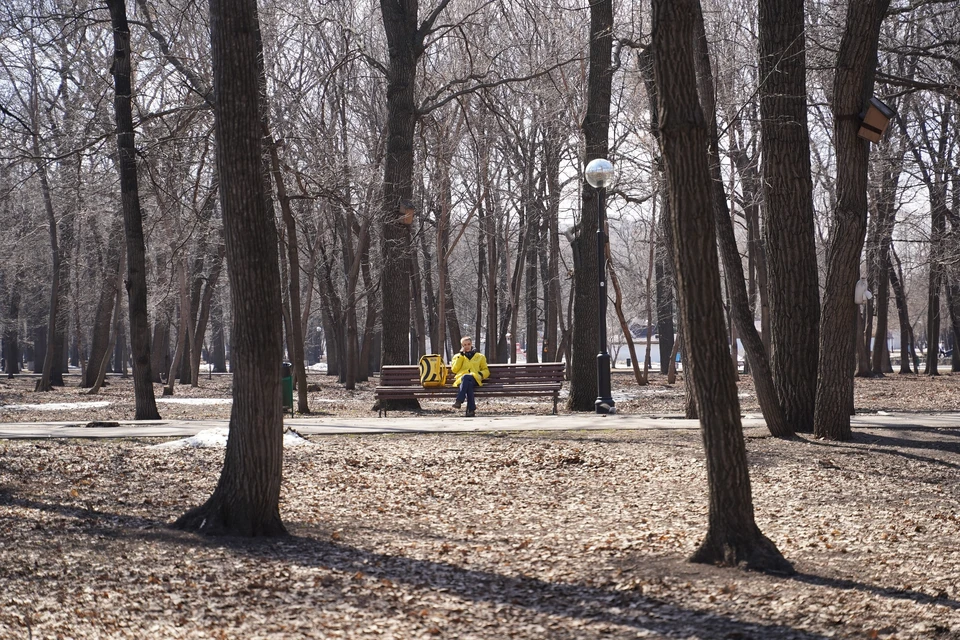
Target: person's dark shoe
x: 457, y: 404
x: 471, y: 413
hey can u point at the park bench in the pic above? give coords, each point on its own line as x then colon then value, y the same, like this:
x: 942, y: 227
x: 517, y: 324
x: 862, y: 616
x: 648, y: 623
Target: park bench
x: 402, y: 382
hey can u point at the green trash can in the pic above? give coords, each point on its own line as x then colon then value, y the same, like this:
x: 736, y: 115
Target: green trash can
x: 286, y: 380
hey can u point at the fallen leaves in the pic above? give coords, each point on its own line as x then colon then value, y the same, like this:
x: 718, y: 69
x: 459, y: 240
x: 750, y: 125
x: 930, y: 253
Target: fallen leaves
x: 559, y: 535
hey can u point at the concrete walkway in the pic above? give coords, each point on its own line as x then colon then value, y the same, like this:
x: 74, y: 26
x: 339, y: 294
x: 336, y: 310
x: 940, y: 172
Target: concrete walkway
x: 432, y: 424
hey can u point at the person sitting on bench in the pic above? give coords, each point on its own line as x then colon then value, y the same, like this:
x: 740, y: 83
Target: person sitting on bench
x: 471, y: 370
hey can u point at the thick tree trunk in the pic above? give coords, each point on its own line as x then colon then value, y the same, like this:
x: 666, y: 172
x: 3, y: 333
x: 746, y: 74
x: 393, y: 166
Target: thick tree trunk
x: 741, y: 313
x: 595, y: 128
x: 733, y: 538
x: 853, y: 86
x: 146, y: 404
x: 246, y: 499
x: 788, y: 209
x: 405, y: 40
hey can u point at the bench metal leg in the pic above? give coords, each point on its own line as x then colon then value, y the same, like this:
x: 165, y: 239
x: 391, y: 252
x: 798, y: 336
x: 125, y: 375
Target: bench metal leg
x: 556, y: 396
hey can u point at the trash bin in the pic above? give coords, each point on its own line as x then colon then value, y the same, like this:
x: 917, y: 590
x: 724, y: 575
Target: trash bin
x: 286, y: 381
x: 629, y: 362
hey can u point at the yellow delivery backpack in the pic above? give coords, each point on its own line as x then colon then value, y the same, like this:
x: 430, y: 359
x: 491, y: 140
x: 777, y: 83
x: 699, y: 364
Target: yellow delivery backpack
x: 433, y: 371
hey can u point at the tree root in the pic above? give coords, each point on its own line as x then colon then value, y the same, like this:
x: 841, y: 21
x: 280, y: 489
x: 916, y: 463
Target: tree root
x: 756, y: 553
x: 215, y: 518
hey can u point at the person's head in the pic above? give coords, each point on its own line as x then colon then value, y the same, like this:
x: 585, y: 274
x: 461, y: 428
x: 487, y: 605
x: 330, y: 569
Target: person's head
x: 467, y: 343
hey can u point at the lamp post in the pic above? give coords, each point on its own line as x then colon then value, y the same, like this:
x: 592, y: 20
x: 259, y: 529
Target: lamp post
x: 599, y: 174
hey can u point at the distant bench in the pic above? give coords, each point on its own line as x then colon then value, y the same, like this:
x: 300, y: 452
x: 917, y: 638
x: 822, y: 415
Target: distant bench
x: 402, y: 382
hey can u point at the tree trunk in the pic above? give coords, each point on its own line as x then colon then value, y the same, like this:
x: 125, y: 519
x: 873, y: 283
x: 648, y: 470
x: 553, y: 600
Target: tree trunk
x: 791, y: 253
x: 853, y: 86
x: 489, y: 225
x: 103, y: 336
x: 146, y: 404
x: 885, y: 207
x: 640, y: 377
x: 405, y: 40
x: 203, y: 316
x: 741, y: 314
x: 551, y: 224
x: 219, y: 341
x: 732, y: 538
x: 45, y: 382
x: 907, y: 348
x: 664, y: 249
x: 246, y: 499
x: 11, y: 338
x: 114, y: 328
x: 595, y: 128
x: 532, y: 328
x: 183, y: 336
x: 293, y: 259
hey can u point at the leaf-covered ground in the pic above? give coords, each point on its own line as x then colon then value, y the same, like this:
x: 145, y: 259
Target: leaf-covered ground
x: 526, y: 535
x: 210, y: 399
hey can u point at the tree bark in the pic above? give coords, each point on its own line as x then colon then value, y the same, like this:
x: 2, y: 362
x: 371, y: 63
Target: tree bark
x: 44, y: 383
x: 664, y: 251
x: 100, y: 341
x: 733, y: 538
x: 246, y: 499
x: 11, y: 337
x: 146, y: 404
x: 791, y: 253
x: 405, y: 41
x: 114, y: 328
x: 853, y: 86
x: 742, y: 315
x: 293, y: 258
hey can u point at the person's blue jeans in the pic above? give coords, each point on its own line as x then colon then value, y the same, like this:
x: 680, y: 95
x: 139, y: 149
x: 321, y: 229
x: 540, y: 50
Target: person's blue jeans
x: 467, y: 386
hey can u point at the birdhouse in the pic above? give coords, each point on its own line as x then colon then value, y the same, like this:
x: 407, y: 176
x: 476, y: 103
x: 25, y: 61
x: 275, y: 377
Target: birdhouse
x: 875, y: 119
x: 406, y: 211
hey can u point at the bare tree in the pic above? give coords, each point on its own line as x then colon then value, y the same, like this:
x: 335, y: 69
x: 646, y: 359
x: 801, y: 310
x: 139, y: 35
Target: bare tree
x: 788, y: 209
x: 595, y: 129
x: 146, y: 404
x: 852, y: 88
x: 246, y: 499
x: 733, y: 537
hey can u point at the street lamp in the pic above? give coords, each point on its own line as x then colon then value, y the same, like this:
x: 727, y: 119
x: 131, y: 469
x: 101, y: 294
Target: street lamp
x: 600, y: 174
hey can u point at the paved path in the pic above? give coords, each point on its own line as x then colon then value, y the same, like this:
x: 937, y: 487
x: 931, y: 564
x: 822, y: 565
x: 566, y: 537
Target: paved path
x: 440, y: 424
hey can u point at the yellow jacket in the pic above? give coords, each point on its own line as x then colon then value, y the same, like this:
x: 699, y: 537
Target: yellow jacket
x: 476, y: 365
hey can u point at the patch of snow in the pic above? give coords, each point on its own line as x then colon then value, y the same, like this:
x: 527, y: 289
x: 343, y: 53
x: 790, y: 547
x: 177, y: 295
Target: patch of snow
x: 884, y: 413
x: 217, y: 438
x: 195, y: 401
x: 58, y: 406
